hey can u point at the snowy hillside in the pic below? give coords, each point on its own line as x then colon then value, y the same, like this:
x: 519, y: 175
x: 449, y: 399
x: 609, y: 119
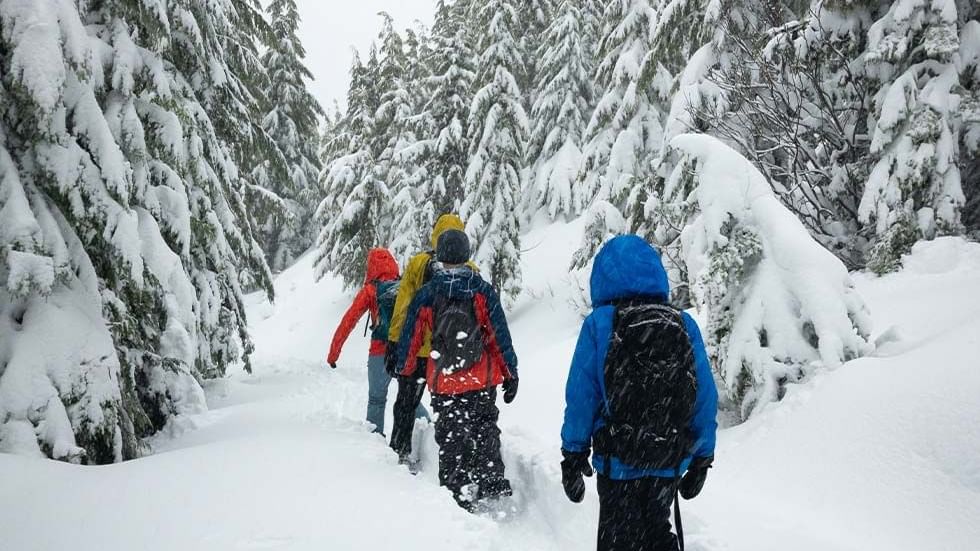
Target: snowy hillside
x: 158, y: 164
x: 880, y: 454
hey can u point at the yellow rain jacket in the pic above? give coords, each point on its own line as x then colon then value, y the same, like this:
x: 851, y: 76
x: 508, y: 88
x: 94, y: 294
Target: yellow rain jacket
x: 412, y: 280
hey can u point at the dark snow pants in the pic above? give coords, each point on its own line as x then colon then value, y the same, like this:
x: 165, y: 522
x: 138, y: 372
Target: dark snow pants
x: 634, y: 515
x: 407, y: 409
x: 469, y: 446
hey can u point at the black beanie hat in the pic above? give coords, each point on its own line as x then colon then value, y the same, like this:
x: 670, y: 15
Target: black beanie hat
x: 453, y: 247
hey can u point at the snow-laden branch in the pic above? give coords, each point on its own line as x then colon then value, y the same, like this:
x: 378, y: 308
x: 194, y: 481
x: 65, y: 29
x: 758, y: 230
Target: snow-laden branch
x: 777, y: 305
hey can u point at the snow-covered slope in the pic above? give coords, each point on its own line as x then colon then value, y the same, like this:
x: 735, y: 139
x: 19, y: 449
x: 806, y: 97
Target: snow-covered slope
x: 880, y: 454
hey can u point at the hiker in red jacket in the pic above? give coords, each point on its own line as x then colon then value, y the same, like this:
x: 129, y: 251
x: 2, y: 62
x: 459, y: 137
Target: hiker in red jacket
x: 471, y: 355
x: 376, y: 297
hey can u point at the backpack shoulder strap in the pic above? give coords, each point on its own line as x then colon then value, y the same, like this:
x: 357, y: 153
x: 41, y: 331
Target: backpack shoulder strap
x: 429, y: 270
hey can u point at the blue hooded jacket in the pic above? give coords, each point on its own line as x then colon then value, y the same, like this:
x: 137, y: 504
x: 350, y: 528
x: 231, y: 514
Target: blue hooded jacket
x: 627, y: 267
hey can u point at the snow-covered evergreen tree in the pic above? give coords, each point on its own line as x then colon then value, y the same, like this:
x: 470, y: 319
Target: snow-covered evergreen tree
x: 412, y: 203
x: 394, y: 128
x: 60, y: 393
x: 499, y: 127
x: 453, y: 72
x: 232, y: 93
x: 683, y: 26
x: 195, y: 45
x: 776, y: 304
x: 969, y: 113
x: 291, y: 121
x: 789, y: 97
x: 535, y: 17
x: 394, y: 104
x: 332, y: 136
x: 687, y: 48
x: 624, y: 130
x: 563, y: 103
x: 914, y: 190
x: 121, y: 235
x: 353, y: 188
x: 688, y: 42
x: 823, y: 102
x: 332, y: 147
x: 592, y: 12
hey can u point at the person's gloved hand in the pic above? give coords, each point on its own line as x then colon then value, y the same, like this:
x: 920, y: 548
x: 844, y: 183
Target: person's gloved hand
x: 573, y: 467
x: 693, y: 479
x: 333, y: 365
x: 391, y: 358
x: 510, y: 390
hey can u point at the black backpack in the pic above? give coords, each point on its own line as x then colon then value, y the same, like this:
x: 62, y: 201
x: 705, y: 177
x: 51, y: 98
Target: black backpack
x: 650, y: 387
x: 457, y: 337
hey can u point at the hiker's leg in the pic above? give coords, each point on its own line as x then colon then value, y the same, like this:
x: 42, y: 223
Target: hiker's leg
x: 659, y: 497
x: 621, y: 504
x: 404, y: 416
x: 451, y: 438
x: 486, y: 465
x: 410, y: 391
x: 378, y: 381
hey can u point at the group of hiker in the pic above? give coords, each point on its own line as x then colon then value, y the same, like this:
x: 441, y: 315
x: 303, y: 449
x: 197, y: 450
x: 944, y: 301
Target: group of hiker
x: 640, y: 397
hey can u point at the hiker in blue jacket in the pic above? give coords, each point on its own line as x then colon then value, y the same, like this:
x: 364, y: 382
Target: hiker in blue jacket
x: 641, y: 393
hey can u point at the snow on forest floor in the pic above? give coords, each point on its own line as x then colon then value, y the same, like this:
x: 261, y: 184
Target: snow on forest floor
x: 881, y: 454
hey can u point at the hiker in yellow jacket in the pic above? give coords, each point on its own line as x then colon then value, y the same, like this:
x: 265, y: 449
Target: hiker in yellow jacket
x: 410, y: 389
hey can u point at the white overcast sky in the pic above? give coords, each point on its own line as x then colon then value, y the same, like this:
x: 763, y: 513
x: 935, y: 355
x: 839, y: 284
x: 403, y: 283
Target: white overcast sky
x: 330, y: 28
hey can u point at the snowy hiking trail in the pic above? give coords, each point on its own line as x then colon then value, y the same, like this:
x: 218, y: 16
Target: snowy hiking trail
x: 878, y: 455
x: 277, y: 463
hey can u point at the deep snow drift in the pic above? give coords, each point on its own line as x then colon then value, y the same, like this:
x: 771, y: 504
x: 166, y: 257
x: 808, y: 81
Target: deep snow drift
x: 880, y: 454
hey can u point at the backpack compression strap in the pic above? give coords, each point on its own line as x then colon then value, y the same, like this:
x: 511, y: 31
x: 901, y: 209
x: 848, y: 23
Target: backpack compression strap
x: 678, y: 525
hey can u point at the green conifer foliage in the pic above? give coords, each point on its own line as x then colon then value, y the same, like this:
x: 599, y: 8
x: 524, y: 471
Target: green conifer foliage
x: 499, y: 128
x: 287, y: 190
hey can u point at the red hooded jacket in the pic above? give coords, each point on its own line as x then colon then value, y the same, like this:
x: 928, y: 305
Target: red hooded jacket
x: 381, y: 266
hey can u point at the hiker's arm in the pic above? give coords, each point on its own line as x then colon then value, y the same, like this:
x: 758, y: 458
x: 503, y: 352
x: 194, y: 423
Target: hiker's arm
x: 418, y: 320
x: 501, y: 332
x: 704, y: 423
x: 362, y: 303
x: 411, y: 281
x: 583, y: 395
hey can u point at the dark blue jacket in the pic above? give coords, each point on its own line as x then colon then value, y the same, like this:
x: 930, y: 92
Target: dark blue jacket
x: 499, y: 362
x: 626, y: 267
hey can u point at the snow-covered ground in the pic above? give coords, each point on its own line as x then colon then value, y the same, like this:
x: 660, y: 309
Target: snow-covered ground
x: 881, y: 454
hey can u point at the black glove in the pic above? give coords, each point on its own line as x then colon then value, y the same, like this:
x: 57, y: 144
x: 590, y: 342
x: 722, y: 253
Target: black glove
x: 333, y: 365
x: 391, y: 358
x: 573, y: 467
x: 510, y: 390
x: 693, y: 479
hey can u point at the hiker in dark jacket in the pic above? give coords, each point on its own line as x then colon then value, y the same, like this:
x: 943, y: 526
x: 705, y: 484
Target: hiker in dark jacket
x: 639, y: 368
x: 381, y: 281
x: 471, y: 355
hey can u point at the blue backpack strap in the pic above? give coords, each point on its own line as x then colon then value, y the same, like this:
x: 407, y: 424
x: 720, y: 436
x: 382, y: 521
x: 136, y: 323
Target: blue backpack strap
x: 385, y: 294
